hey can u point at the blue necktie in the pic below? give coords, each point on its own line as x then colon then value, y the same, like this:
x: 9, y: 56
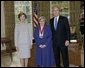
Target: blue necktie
x: 55, y: 23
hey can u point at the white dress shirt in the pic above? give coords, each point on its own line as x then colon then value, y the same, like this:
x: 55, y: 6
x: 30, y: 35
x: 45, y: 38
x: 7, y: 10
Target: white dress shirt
x: 56, y: 18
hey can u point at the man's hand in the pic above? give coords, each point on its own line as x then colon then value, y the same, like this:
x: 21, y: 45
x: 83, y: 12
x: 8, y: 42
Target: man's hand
x: 66, y: 43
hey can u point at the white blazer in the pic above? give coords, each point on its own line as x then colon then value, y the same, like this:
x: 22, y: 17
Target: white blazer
x: 23, y: 34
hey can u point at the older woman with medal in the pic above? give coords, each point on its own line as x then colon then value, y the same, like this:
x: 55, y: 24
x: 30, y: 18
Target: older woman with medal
x: 43, y: 40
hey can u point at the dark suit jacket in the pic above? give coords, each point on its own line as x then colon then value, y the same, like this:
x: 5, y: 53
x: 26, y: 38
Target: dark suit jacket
x: 62, y: 33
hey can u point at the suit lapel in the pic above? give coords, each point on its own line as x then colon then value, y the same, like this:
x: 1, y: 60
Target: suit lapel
x: 53, y: 23
x: 59, y: 19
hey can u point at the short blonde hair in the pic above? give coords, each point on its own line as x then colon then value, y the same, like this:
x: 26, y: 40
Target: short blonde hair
x: 42, y: 18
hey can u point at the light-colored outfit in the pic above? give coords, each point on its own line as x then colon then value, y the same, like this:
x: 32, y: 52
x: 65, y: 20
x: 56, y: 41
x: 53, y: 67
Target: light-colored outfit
x: 23, y: 39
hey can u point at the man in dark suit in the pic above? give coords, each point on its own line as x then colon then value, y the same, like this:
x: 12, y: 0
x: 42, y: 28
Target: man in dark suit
x: 60, y: 36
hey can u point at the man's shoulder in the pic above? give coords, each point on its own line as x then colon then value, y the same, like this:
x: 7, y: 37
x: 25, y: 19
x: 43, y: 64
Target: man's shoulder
x: 63, y: 17
x: 51, y: 20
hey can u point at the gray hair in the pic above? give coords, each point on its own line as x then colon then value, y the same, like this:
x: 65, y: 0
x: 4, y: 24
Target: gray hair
x: 42, y: 18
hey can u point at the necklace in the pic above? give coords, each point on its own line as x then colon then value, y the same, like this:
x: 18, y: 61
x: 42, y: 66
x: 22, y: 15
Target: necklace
x: 41, y: 32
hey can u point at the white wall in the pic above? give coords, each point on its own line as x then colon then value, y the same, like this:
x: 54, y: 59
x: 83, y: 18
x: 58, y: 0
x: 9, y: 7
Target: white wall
x: 2, y: 23
x: 2, y: 20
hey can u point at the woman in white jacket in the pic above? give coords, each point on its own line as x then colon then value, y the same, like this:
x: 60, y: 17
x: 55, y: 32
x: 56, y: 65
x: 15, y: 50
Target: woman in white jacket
x: 23, y: 39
